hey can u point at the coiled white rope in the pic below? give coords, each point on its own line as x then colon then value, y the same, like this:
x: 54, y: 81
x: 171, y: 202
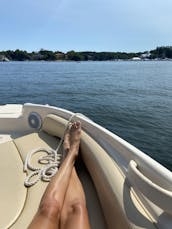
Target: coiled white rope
x: 50, y: 162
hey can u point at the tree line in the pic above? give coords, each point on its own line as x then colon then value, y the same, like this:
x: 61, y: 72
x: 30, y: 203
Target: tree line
x: 47, y: 55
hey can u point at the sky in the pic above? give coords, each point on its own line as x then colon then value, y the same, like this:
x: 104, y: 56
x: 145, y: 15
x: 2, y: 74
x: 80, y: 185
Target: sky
x: 85, y: 25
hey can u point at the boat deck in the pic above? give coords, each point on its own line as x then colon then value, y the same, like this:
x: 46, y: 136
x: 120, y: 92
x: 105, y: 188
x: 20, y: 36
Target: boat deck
x: 5, y: 138
x: 10, y: 110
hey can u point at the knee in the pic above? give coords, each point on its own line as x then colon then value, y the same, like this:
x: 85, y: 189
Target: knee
x: 78, y: 207
x: 74, y: 208
x: 49, y: 208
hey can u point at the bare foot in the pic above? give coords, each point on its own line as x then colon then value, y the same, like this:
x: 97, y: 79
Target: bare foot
x: 72, y: 138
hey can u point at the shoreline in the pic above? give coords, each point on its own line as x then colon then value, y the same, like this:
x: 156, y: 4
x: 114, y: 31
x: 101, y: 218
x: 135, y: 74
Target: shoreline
x: 160, y: 53
x: 78, y: 61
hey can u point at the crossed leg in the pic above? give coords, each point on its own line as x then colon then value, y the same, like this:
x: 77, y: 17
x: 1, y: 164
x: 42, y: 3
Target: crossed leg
x: 74, y: 212
x: 63, y: 204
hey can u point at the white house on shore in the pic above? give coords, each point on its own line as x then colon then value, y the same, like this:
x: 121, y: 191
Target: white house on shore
x: 3, y: 58
x: 145, y: 55
x: 136, y: 58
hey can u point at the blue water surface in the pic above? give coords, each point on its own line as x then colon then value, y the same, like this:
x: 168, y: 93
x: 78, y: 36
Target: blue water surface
x: 132, y: 99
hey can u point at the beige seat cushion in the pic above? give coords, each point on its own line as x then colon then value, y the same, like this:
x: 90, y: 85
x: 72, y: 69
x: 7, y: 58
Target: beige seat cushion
x: 35, y: 140
x: 12, y: 191
x: 25, y: 144
x: 54, y: 125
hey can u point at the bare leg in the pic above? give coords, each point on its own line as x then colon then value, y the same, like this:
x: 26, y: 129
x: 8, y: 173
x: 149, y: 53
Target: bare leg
x: 74, y: 213
x: 48, y: 214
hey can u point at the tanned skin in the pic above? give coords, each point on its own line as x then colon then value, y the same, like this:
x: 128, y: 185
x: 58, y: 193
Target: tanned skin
x: 63, y: 205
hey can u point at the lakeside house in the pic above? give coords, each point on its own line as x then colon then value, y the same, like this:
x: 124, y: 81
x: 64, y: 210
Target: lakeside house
x: 3, y: 58
x: 146, y: 55
x: 136, y: 58
x: 143, y: 56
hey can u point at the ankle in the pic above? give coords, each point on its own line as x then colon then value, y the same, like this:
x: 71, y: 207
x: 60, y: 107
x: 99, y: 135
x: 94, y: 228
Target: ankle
x: 73, y: 153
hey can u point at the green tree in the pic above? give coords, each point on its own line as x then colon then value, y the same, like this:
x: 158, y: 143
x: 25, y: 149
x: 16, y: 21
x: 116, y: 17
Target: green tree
x: 47, y: 55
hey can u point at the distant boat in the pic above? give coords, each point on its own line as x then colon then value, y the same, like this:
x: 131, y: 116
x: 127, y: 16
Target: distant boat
x: 124, y: 187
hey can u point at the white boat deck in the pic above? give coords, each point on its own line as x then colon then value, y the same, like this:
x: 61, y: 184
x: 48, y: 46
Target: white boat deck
x: 5, y: 138
x: 10, y: 111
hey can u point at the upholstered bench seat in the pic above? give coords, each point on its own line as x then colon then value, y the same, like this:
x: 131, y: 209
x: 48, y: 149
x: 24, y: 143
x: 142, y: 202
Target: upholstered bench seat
x: 12, y: 191
x: 18, y: 204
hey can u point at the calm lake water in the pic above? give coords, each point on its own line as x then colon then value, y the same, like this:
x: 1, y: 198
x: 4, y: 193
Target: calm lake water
x: 132, y: 99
